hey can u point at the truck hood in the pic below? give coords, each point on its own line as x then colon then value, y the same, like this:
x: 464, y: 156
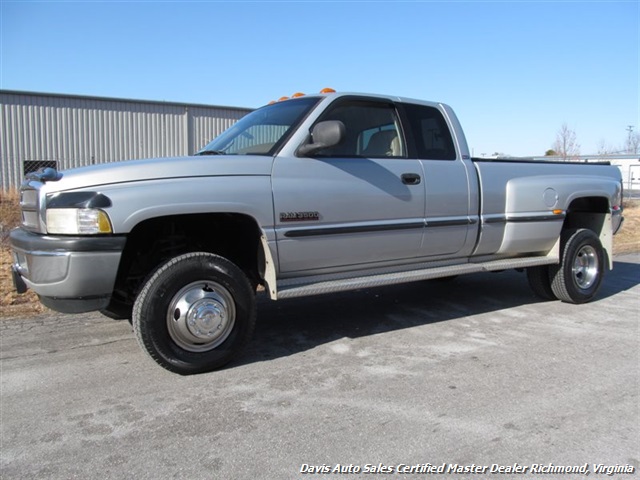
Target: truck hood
x: 161, y: 168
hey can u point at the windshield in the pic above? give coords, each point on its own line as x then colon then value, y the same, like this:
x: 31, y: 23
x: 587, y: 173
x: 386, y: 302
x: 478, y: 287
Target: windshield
x: 262, y: 131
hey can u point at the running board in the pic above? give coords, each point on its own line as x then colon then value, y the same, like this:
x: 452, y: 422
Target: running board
x: 307, y: 286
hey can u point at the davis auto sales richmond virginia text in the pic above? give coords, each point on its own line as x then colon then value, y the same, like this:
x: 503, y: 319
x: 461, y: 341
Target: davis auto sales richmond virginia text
x: 427, y: 468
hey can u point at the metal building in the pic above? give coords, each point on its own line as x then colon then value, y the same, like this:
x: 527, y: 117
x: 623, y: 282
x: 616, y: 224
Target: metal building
x: 67, y: 131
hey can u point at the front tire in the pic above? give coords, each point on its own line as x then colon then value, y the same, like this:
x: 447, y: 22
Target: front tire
x: 195, y: 313
x: 578, y: 277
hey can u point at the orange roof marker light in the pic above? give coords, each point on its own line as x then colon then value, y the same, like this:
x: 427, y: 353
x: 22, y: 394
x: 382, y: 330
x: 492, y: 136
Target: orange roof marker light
x: 300, y: 94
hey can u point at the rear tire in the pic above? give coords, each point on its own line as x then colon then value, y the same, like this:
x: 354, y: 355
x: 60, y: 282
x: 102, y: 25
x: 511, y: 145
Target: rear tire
x: 540, y: 283
x: 578, y: 277
x: 195, y: 313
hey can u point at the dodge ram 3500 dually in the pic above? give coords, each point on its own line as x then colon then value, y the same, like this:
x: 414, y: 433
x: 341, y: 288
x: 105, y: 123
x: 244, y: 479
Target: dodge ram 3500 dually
x: 310, y: 195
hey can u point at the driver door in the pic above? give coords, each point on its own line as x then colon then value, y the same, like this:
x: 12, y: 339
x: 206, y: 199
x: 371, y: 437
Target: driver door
x: 356, y: 205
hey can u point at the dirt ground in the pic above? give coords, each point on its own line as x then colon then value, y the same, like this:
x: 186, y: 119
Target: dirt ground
x: 13, y: 305
x: 628, y: 238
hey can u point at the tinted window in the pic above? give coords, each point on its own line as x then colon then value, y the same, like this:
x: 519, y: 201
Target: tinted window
x: 372, y: 130
x: 430, y: 132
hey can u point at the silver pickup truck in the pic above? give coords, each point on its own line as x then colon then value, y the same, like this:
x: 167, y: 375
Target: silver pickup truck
x: 310, y: 195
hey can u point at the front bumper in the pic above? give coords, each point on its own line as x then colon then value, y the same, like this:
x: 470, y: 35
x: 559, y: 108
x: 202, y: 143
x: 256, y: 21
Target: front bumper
x: 69, y: 274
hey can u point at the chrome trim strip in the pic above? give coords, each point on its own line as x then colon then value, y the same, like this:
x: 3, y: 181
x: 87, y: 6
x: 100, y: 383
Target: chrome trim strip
x: 499, y: 218
x: 430, y: 222
x: 536, y: 218
x: 312, y: 232
x: 540, y: 217
x: 450, y: 222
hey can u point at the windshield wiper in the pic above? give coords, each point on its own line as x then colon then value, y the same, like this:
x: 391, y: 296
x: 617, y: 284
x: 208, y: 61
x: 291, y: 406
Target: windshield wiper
x: 211, y: 152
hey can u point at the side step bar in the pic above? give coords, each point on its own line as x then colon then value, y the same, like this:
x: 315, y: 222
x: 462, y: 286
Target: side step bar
x: 321, y: 285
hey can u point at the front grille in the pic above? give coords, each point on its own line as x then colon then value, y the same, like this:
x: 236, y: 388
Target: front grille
x: 30, y: 206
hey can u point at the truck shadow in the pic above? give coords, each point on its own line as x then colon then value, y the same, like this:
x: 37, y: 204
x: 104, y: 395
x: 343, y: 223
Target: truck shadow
x: 625, y: 275
x: 293, y: 326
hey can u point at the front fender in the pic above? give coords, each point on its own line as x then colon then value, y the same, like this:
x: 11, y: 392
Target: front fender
x: 134, y: 203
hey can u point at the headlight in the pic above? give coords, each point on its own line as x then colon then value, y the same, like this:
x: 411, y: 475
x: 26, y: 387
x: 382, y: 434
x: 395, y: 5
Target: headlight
x: 77, y: 221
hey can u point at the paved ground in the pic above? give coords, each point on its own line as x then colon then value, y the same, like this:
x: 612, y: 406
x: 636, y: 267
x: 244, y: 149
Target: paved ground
x: 470, y: 372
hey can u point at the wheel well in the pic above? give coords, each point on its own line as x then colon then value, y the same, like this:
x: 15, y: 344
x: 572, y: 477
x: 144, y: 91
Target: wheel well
x: 152, y: 242
x: 592, y: 213
x: 587, y: 212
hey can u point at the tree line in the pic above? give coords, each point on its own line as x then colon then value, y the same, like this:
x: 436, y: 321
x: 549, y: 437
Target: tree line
x: 566, y: 145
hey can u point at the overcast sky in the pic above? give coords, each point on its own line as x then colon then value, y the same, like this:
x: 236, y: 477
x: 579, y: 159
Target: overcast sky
x: 514, y: 71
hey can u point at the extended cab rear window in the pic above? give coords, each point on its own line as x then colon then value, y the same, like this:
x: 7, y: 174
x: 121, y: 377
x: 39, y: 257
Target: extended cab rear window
x: 430, y: 132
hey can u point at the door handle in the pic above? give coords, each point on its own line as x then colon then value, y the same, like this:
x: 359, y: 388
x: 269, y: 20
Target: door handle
x: 410, y: 178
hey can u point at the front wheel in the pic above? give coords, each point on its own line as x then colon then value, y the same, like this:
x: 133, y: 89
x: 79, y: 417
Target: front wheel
x: 578, y: 277
x: 195, y: 313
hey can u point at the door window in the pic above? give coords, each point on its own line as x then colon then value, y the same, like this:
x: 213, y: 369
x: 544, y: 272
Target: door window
x: 372, y: 130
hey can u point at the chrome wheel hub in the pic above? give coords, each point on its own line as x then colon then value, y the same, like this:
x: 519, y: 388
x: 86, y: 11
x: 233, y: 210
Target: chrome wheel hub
x: 585, y: 267
x: 201, y: 316
x: 205, y: 318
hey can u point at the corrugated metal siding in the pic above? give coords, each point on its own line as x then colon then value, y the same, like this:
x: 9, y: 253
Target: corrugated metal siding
x: 77, y: 131
x: 202, y: 123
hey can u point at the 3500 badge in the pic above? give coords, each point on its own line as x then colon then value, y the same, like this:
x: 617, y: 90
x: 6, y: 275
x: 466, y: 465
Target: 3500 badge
x: 299, y: 216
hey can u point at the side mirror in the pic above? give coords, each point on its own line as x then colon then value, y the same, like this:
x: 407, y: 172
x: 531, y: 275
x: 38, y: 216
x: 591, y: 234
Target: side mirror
x: 324, y: 135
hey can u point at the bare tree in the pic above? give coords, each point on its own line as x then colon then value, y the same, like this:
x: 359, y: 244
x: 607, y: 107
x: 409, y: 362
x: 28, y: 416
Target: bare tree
x: 604, y: 148
x: 632, y: 145
x: 566, y: 145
